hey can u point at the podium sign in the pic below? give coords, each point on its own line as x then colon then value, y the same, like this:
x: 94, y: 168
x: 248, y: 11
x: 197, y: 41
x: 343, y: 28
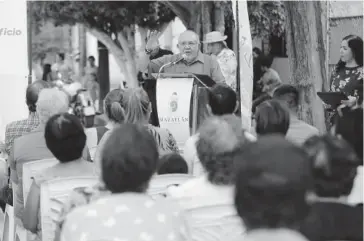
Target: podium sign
x: 173, y: 106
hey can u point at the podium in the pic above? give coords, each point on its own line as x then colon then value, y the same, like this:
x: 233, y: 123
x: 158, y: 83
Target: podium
x: 197, y: 93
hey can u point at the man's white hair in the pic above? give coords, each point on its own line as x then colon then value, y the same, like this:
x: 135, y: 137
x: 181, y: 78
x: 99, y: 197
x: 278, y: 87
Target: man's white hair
x: 51, y: 102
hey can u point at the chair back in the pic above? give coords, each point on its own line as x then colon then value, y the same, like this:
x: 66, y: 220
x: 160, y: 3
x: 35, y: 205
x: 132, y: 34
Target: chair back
x: 9, y: 224
x: 30, y: 169
x: 53, y: 195
x: 215, y: 223
x: 159, y: 184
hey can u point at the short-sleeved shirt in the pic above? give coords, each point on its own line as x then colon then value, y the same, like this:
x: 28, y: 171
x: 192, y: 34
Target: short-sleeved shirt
x: 127, y: 216
x: 203, y: 64
x: 27, y: 148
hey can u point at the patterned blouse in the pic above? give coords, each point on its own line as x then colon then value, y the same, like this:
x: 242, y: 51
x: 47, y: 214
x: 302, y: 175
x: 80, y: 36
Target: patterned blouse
x: 228, y: 65
x: 347, y: 80
x: 127, y: 216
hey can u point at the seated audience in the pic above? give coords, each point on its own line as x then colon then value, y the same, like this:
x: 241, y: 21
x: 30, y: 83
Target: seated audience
x: 222, y: 100
x: 271, y: 185
x: 334, y: 165
x: 18, y: 128
x: 32, y: 146
x: 137, y: 111
x: 271, y: 118
x: 298, y: 130
x: 128, y: 213
x: 115, y: 115
x: 220, y: 138
x: 172, y: 163
x: 66, y: 139
x: 348, y: 125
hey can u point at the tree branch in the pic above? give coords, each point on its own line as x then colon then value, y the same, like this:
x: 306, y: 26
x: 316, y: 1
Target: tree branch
x: 181, y: 9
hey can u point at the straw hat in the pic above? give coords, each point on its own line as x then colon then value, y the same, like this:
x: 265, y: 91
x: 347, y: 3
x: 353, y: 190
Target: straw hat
x: 213, y: 37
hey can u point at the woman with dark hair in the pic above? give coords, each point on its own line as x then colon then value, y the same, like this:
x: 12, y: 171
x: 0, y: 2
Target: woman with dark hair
x: 47, y: 73
x: 333, y: 165
x: 271, y: 117
x: 128, y: 213
x: 65, y: 138
x: 347, y: 76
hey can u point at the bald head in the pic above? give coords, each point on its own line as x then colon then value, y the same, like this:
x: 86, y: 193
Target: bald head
x: 32, y: 93
x: 188, y: 35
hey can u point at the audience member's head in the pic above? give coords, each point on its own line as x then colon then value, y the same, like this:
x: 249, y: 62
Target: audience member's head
x: 50, y: 102
x: 32, y: 93
x: 219, y: 140
x: 60, y: 56
x: 271, y: 118
x: 222, y: 100
x: 348, y: 126
x: 129, y: 159
x: 265, y: 62
x: 256, y: 52
x: 137, y: 106
x: 172, y: 163
x: 91, y: 60
x: 65, y: 137
x: 289, y: 95
x: 271, y: 184
x: 47, y: 72
x: 113, y: 106
x: 333, y: 164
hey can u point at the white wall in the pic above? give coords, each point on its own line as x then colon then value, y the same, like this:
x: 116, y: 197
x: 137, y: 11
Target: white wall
x: 13, y: 62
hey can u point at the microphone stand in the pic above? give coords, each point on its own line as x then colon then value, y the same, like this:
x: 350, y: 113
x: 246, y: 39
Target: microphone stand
x: 168, y: 64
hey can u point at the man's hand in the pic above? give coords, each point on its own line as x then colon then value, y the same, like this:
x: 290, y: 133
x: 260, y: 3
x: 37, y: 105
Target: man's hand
x: 350, y: 102
x: 152, y: 42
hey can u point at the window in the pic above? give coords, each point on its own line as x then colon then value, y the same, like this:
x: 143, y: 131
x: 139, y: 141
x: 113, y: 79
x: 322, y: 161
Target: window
x: 278, y: 46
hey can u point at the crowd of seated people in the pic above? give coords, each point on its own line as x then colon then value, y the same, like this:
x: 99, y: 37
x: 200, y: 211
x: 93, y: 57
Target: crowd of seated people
x: 279, y: 179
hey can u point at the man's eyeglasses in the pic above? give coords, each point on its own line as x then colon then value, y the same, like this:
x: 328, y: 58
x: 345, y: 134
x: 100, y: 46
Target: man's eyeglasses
x: 184, y: 44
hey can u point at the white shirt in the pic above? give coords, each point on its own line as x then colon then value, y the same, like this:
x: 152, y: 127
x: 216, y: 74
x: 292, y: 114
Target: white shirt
x: 356, y: 195
x: 299, y: 131
x: 208, y: 206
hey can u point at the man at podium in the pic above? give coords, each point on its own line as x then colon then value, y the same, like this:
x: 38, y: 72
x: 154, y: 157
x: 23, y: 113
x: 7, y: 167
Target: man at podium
x: 189, y: 60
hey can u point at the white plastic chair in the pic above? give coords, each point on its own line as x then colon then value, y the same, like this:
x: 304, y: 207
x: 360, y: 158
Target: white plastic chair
x: 159, y: 184
x: 215, y: 223
x: 9, y: 224
x: 53, y: 194
x: 30, y: 169
x: 91, y: 141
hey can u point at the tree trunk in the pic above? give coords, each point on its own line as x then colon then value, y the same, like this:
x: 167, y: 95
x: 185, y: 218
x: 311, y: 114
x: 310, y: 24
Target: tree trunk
x: 103, y: 73
x: 130, y: 60
x: 200, y: 16
x: 113, y: 48
x: 305, y: 46
x: 82, y: 49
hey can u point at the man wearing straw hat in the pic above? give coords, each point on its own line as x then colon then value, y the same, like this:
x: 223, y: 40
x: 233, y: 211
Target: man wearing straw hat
x: 216, y: 46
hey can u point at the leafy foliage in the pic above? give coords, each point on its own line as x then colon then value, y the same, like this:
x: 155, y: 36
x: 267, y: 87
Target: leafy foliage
x: 266, y: 18
x: 108, y: 16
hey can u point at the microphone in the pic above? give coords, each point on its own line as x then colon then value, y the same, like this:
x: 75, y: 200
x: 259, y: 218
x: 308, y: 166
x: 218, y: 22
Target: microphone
x: 183, y: 56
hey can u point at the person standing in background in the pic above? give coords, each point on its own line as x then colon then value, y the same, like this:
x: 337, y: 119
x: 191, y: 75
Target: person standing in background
x: 61, y: 70
x: 91, y: 67
x: 226, y: 58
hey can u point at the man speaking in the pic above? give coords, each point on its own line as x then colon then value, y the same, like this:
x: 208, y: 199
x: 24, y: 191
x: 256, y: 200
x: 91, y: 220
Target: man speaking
x: 189, y: 60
